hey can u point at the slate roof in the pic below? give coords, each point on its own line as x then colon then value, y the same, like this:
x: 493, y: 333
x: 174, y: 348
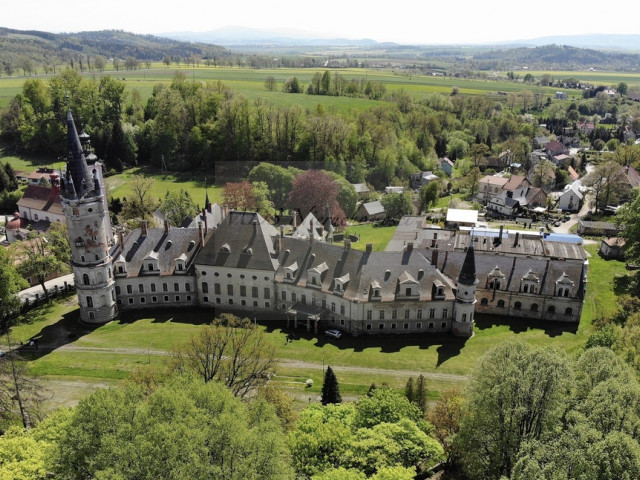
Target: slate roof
x: 361, y: 187
x: 240, y: 234
x: 165, y: 247
x: 364, y: 269
x: 373, y: 208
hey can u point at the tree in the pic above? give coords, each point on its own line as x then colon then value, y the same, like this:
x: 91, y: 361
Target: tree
x: 270, y: 83
x: 185, y: 429
x: 166, y: 60
x: 21, y: 395
x: 10, y: 285
x: 429, y: 195
x: 397, y: 205
x: 445, y: 417
x: 177, y: 206
x: 544, y: 174
x: 516, y: 394
x: 279, y: 181
x: 330, y: 388
x: 240, y: 196
x: 292, y: 85
x: 384, y: 405
x: 629, y: 218
x: 38, y: 259
x: 231, y: 351
x: 141, y: 205
x: 605, y: 181
x: 99, y: 62
x: 312, y: 191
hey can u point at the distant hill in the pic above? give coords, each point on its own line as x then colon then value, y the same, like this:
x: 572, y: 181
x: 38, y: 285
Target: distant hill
x: 43, y: 47
x: 559, y: 57
x: 236, y: 36
x: 597, y: 41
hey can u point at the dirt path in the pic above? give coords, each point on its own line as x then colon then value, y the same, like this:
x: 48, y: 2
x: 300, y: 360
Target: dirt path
x: 287, y: 363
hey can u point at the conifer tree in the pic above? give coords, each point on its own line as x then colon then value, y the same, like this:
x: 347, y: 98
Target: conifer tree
x: 330, y: 388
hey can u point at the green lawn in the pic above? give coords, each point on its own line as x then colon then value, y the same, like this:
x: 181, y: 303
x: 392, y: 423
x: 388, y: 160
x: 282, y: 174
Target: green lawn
x: 372, y: 233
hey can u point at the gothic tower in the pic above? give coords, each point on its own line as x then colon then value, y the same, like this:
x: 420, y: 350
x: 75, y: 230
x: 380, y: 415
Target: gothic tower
x: 92, y: 246
x: 462, y: 325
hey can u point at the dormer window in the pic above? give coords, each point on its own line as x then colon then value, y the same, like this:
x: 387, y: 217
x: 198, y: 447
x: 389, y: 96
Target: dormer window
x: 181, y: 263
x: 315, y: 275
x: 564, y: 286
x: 437, y: 290
x: 151, y: 263
x: 225, y: 248
x: 375, y: 290
x: 408, y: 287
x: 530, y: 283
x: 341, y: 283
x: 290, y: 271
x: 496, y: 280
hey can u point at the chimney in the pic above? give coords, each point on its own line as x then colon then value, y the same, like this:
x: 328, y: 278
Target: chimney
x: 433, y: 243
x: 201, y: 234
x: 121, y: 238
x: 254, y: 222
x: 166, y: 226
x: 369, y: 247
x: 347, y: 244
x: 225, y: 211
x: 143, y: 227
x: 515, y: 244
x: 295, y: 219
x: 434, y: 257
x: 206, y: 223
x: 280, y: 238
x: 311, y: 232
x: 409, y: 246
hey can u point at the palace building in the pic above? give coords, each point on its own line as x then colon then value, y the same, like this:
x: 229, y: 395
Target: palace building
x: 428, y: 280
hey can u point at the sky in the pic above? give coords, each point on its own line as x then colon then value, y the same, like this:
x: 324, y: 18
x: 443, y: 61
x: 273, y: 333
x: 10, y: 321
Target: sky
x: 400, y: 21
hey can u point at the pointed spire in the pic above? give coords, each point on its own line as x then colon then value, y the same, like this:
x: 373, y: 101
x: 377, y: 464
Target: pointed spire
x: 77, y: 164
x: 207, y: 202
x: 467, y: 274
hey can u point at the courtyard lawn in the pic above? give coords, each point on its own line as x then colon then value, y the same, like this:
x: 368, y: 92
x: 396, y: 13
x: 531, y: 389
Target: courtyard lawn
x: 378, y: 236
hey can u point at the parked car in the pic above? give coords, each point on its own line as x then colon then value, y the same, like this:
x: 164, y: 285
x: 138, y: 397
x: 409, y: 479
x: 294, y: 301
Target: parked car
x: 333, y: 333
x: 556, y: 223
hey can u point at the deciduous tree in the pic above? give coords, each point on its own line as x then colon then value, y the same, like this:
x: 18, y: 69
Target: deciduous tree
x: 178, y: 206
x: 312, y: 191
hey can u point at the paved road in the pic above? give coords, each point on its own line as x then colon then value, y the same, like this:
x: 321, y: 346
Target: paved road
x: 34, y: 293
x: 574, y: 217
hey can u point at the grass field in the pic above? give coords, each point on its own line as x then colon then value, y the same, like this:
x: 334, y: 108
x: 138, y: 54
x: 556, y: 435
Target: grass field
x: 109, y: 353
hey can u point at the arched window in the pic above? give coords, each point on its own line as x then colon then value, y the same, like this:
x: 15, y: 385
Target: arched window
x: 560, y: 290
x: 568, y: 311
x: 525, y: 288
x: 85, y: 279
x: 551, y: 309
x: 566, y: 292
x: 517, y: 306
x: 500, y: 303
x: 534, y: 307
x: 484, y: 301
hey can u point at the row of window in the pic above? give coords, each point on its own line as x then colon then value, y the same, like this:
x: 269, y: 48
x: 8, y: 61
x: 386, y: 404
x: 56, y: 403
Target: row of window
x: 85, y: 278
x: 153, y: 287
x: 534, y: 306
x: 154, y: 299
x: 407, y: 326
x: 432, y: 313
x: 530, y: 288
x: 255, y: 291
x: 243, y: 303
x: 242, y: 276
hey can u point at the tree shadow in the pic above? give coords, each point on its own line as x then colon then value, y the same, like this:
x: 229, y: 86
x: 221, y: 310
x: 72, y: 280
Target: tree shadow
x: 51, y: 337
x: 521, y: 325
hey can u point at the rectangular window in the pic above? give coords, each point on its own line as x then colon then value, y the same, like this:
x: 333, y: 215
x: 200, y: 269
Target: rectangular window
x: 419, y: 325
x: 188, y: 298
x: 394, y: 325
x: 283, y: 295
x: 187, y: 287
x: 117, y: 290
x: 369, y: 313
x: 381, y: 317
x: 430, y: 324
x: 464, y: 317
x: 406, y: 314
x: 293, y: 297
x: 381, y: 326
x: 176, y: 287
x: 432, y: 313
x: 90, y: 302
x: 324, y: 303
x: 333, y: 307
x: 166, y: 298
x: 129, y: 289
x: 243, y: 302
x: 368, y: 326
x: 444, y: 324
x: 131, y: 300
x: 419, y: 315
x: 267, y: 304
x: 141, y: 288
x: 165, y: 287
x: 394, y: 314
x: 254, y: 292
x: 229, y: 289
x: 341, y: 309
x: 445, y: 313
x: 154, y: 299
x: 303, y: 298
x: 243, y: 291
x: 143, y: 300
x: 406, y: 326
x: 177, y: 298
x: 267, y: 292
x: 153, y: 288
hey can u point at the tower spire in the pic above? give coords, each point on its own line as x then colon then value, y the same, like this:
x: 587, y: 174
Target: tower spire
x: 467, y: 274
x: 76, y: 162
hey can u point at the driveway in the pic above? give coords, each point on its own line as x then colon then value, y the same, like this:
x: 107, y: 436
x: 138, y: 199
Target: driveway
x: 34, y: 293
x: 565, y: 227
